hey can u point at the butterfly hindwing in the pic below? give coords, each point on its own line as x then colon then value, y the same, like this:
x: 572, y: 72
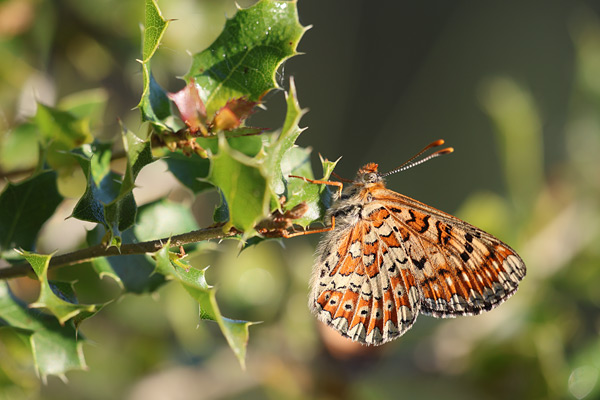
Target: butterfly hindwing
x: 365, y: 294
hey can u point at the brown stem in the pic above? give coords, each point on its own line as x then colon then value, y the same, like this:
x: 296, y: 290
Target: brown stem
x: 90, y: 253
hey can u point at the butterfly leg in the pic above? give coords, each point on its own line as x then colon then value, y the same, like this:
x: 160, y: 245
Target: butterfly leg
x: 339, y: 185
x: 286, y: 234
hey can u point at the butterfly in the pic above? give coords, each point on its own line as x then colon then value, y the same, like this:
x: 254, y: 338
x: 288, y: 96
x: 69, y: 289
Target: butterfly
x: 386, y: 258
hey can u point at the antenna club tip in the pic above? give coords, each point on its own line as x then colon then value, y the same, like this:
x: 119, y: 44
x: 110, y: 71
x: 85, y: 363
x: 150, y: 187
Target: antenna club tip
x: 449, y: 150
x: 438, y: 142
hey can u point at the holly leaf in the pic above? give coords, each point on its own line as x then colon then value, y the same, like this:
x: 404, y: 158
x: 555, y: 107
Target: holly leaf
x: 232, y: 114
x: 154, y: 103
x: 285, y: 141
x: 318, y: 197
x: 243, y: 60
x: 189, y: 170
x: 18, y: 149
x: 61, y: 132
x: 56, y: 297
x: 89, y: 104
x: 194, y: 282
x: 242, y: 183
x: 162, y: 219
x: 108, y: 199
x: 139, y: 154
x: 24, y: 207
x: 134, y: 273
x: 55, y: 347
x: 191, y: 108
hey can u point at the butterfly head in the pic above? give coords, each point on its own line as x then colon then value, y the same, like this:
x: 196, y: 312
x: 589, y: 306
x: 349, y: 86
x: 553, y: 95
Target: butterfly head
x: 369, y: 174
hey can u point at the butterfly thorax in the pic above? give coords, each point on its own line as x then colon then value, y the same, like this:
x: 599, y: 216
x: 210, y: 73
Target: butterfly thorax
x: 348, y: 207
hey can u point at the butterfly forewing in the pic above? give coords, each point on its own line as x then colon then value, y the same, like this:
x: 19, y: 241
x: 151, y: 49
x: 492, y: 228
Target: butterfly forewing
x: 462, y: 270
x: 391, y: 257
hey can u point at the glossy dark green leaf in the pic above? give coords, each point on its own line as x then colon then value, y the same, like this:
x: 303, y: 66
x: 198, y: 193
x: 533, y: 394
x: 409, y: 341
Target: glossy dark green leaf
x: 108, y: 198
x: 243, y: 60
x: 24, y: 207
x: 189, y: 170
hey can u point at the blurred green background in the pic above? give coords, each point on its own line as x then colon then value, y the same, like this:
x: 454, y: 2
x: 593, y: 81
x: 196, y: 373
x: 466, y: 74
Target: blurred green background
x: 514, y: 86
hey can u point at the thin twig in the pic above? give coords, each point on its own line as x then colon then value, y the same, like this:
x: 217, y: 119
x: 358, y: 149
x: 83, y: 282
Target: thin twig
x: 89, y: 253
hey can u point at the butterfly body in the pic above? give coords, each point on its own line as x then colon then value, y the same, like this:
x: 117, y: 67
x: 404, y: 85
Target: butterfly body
x: 390, y: 258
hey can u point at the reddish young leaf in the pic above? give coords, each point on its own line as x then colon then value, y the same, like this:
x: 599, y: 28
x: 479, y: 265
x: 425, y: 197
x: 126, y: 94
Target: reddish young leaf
x: 191, y: 107
x: 232, y: 114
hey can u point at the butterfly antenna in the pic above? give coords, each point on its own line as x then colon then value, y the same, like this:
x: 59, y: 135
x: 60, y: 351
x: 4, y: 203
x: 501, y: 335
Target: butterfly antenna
x: 411, y: 161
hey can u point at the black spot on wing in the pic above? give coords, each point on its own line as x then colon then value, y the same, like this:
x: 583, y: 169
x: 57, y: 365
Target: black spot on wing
x: 419, y: 264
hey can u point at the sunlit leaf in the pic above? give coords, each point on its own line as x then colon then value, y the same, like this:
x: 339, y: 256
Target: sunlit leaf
x: 55, y: 348
x: 284, y: 141
x: 19, y: 148
x: 154, y: 103
x: 89, y: 104
x: 243, y: 185
x: 56, y: 297
x: 243, y: 60
x: 194, y: 282
x: 191, y: 107
x: 232, y: 114
x: 318, y: 197
x: 61, y: 131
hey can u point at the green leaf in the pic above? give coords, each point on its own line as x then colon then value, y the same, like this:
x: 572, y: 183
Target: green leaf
x: 108, y: 198
x: 285, y: 141
x: 24, y: 207
x: 318, y: 197
x: 221, y: 213
x: 154, y: 29
x: 103, y: 185
x: 89, y: 104
x: 243, y: 185
x: 194, y: 282
x: 61, y: 132
x: 139, y: 154
x: 162, y: 219
x: 133, y: 273
x: 55, y: 348
x: 248, y: 145
x: 243, y: 60
x: 56, y: 297
x: 189, y: 170
x: 154, y: 103
x: 18, y: 147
